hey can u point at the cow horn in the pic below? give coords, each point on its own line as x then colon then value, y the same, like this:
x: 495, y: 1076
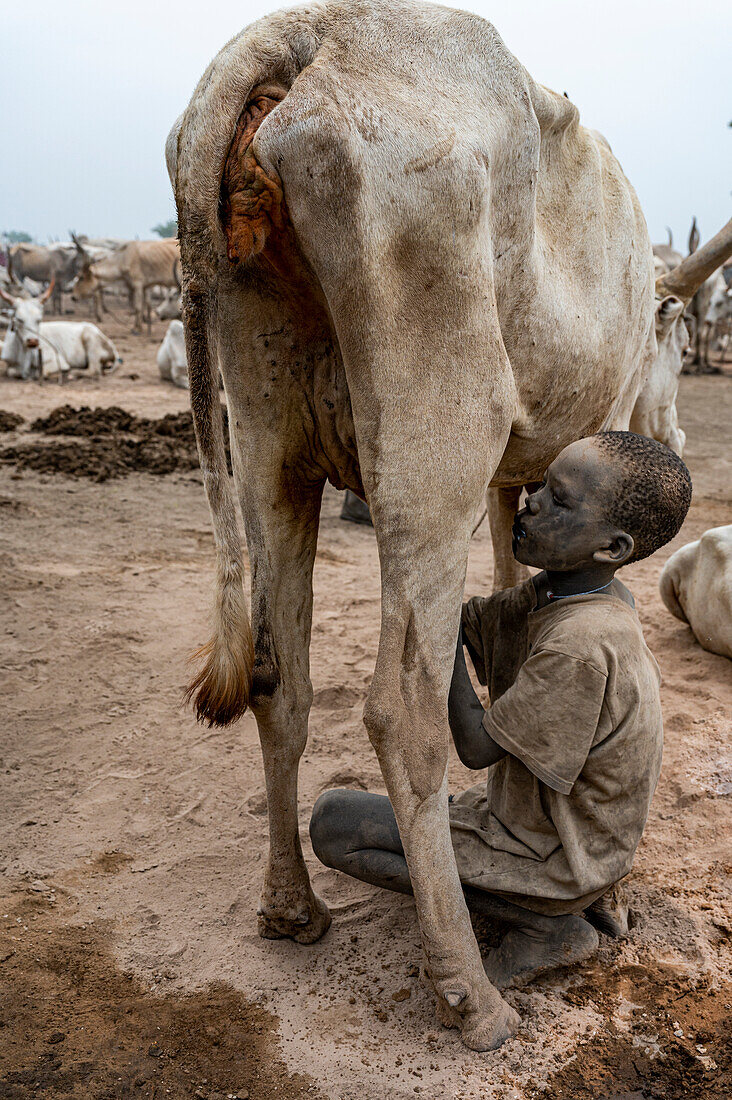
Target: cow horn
x: 7, y: 297
x: 670, y: 237
x: 48, y: 291
x: 685, y: 280
x: 694, y: 236
x: 79, y: 246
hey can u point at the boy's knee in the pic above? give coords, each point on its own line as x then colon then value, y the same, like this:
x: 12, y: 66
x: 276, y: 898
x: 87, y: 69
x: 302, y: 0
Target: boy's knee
x: 324, y: 826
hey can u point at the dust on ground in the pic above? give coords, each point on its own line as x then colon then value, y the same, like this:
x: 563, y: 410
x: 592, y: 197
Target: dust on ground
x: 134, y: 839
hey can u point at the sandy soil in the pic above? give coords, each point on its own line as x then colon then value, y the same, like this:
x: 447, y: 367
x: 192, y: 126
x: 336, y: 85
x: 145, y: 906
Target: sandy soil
x: 134, y: 839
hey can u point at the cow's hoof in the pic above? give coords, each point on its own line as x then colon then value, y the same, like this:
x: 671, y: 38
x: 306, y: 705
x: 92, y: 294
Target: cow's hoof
x: 489, y: 1033
x: 308, y: 927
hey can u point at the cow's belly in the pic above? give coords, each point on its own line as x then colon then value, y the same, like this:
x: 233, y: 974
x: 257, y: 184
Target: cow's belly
x: 578, y: 399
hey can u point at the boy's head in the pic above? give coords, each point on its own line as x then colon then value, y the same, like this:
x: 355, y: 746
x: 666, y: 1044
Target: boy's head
x: 610, y: 499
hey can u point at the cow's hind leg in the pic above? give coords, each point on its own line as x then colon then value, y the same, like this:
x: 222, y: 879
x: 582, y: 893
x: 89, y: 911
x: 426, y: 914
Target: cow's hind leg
x: 282, y: 549
x: 502, y: 507
x: 280, y: 489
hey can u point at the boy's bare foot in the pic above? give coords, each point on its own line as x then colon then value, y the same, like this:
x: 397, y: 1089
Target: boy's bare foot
x: 609, y: 913
x: 524, y: 954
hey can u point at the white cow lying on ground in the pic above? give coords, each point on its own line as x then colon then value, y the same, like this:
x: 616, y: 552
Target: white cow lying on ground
x: 172, y: 362
x: 37, y: 348
x: 696, y: 586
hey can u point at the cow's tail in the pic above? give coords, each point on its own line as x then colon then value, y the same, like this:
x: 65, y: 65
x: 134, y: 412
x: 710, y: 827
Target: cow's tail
x: 221, y: 688
x: 277, y: 48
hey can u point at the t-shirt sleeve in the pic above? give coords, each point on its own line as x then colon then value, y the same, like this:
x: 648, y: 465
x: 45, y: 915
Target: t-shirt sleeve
x: 495, y: 633
x: 549, y: 716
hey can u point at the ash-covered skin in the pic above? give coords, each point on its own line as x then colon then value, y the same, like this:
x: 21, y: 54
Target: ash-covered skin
x: 564, y: 527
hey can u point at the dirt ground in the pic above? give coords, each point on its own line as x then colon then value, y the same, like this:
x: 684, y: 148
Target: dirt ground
x: 134, y: 840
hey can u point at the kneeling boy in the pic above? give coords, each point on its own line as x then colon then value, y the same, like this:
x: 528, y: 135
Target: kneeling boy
x: 573, y: 736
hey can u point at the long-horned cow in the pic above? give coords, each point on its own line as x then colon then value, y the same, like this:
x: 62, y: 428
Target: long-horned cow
x: 59, y: 264
x: 418, y: 274
x: 139, y: 265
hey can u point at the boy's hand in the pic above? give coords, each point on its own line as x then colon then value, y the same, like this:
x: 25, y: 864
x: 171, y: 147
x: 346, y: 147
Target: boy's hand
x: 465, y: 712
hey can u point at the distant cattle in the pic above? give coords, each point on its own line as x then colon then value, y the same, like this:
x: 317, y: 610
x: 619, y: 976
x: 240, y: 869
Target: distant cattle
x: 171, y: 357
x: 718, y: 318
x: 59, y: 264
x: 37, y: 348
x: 140, y: 265
x: 666, y: 258
x: 696, y: 586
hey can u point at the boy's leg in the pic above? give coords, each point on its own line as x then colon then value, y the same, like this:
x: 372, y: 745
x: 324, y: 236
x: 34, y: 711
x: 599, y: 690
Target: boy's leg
x: 356, y: 832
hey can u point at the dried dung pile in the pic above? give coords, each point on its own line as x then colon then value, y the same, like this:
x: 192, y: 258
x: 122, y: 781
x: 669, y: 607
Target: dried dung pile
x: 9, y: 421
x: 106, y: 443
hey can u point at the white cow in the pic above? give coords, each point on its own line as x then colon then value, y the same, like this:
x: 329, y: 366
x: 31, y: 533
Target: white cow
x: 654, y: 413
x: 169, y: 309
x: 696, y: 586
x: 172, y: 362
x: 33, y: 347
x: 418, y: 274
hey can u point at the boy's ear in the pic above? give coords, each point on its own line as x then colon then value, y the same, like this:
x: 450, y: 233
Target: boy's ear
x: 617, y: 552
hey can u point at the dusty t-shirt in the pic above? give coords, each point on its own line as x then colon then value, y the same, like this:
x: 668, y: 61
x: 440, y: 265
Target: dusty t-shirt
x: 575, y: 702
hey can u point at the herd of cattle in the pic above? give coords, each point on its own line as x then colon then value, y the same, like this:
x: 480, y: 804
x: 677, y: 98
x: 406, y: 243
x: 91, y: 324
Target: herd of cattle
x: 148, y: 271
x: 150, y: 274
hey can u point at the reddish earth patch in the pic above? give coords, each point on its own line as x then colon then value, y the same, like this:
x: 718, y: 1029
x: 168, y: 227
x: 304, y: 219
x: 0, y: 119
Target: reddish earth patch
x: 72, y: 1025
x: 673, y: 1042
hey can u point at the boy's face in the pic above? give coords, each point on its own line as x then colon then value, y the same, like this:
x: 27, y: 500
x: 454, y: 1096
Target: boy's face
x: 564, y: 525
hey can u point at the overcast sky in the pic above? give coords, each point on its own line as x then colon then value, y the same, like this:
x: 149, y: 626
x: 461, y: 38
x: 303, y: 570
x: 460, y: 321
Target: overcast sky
x: 90, y: 90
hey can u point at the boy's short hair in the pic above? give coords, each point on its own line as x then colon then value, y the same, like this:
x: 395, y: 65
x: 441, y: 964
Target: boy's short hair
x: 654, y: 490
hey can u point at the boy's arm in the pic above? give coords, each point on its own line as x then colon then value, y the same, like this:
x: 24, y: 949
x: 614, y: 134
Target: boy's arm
x: 475, y: 747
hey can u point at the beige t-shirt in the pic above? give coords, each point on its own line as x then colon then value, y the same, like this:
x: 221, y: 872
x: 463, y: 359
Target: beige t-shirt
x: 576, y: 705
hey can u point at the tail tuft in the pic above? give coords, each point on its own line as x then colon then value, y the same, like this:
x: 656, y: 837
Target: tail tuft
x: 221, y: 690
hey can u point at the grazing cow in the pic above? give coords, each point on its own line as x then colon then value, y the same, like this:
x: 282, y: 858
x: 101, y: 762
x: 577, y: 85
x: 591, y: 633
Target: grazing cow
x: 37, y: 348
x: 58, y: 263
x: 138, y: 264
x: 172, y: 356
x: 418, y: 274
x: 696, y: 586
